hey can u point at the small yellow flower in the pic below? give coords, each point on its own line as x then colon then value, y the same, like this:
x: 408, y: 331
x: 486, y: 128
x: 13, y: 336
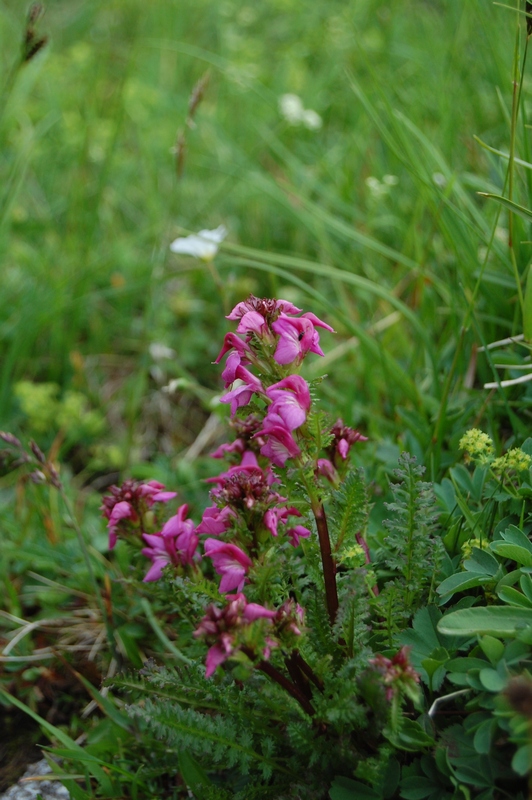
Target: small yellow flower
x: 467, y: 547
x: 478, y: 445
x: 514, y: 459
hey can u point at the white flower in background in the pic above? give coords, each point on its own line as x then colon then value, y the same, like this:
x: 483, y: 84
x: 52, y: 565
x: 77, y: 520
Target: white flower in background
x: 379, y: 188
x: 200, y: 245
x: 390, y: 180
x: 158, y: 351
x: 291, y: 108
x: 294, y: 112
x: 311, y: 119
x: 439, y: 179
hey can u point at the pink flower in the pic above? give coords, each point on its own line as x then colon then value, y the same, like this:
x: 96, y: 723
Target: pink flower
x: 130, y: 502
x: 216, y: 520
x: 297, y: 533
x: 343, y: 439
x: 238, y: 446
x: 122, y: 510
x: 221, y: 627
x: 280, y: 445
x: 233, y: 342
x: 297, y: 336
x: 151, y: 491
x: 291, y: 402
x: 242, y: 394
x: 176, y: 544
x: 397, y: 672
x: 326, y: 468
x: 230, y: 562
x: 266, y: 308
x: 290, y: 617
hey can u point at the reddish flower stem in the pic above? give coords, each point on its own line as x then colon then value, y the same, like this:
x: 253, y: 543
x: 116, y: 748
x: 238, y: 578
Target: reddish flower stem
x: 329, y: 567
x: 285, y: 684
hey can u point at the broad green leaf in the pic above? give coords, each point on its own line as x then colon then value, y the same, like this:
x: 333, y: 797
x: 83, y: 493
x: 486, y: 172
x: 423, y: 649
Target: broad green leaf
x: 494, y: 620
x: 483, y: 736
x: 516, y: 598
x: 417, y: 787
x: 410, y: 736
x: 512, y: 551
x: 482, y: 561
x: 522, y: 760
x: 516, y: 536
x: 348, y: 789
x: 460, y: 582
x: 526, y: 585
x: 492, y: 648
x: 491, y: 680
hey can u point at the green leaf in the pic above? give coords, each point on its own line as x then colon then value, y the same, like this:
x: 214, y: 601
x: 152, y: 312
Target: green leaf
x: 460, y: 582
x: 482, y: 561
x: 410, y: 736
x: 514, y: 535
x: 512, y: 551
x: 492, y: 648
x: 417, y: 787
x: 522, y: 760
x: 193, y: 774
x: 348, y: 789
x: 521, y: 211
x: 483, y: 736
x: 491, y: 680
x: 525, y: 583
x: 510, y: 595
x: 494, y: 620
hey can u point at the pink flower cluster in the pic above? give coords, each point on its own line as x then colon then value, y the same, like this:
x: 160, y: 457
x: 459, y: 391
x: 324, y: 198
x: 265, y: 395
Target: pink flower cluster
x: 273, y: 338
x: 126, y: 507
x: 397, y: 673
x: 176, y: 544
x: 228, y: 629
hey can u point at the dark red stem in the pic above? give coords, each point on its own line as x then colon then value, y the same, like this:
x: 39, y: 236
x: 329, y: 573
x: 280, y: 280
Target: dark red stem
x: 289, y: 687
x: 329, y: 568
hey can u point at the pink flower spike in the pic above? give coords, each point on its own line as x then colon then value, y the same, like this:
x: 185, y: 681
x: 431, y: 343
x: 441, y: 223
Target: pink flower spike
x: 280, y: 445
x: 230, y: 562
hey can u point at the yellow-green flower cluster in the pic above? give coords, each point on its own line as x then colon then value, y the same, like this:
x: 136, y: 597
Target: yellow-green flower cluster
x: 478, y: 445
x: 467, y: 547
x: 352, y: 557
x: 515, y: 459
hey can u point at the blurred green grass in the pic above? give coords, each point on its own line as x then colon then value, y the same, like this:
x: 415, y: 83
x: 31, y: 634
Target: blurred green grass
x: 90, y: 200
